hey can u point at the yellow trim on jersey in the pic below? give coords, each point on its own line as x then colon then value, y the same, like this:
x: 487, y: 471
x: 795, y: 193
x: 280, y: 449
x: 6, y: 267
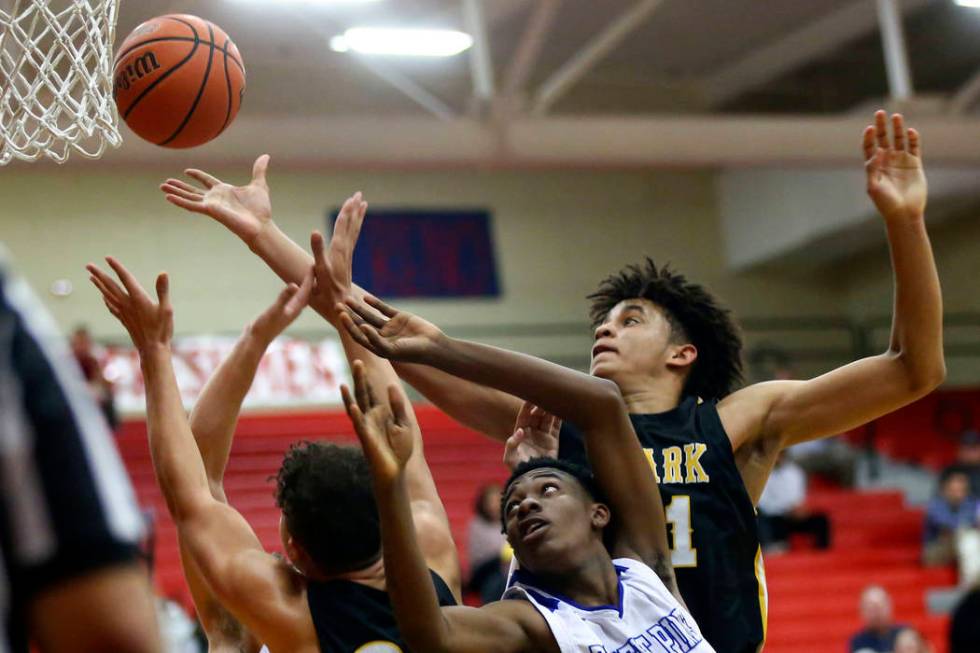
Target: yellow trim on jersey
x: 379, y: 645
x: 760, y: 577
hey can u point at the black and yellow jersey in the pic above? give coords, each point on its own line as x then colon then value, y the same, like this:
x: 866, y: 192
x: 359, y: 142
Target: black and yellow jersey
x: 711, y: 520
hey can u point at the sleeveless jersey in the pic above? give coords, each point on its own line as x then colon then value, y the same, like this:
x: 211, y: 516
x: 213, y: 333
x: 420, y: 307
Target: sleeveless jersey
x: 353, y: 618
x: 647, y: 618
x: 711, y: 521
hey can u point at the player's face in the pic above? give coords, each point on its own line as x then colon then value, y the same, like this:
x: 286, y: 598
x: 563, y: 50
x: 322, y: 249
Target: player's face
x: 634, y: 340
x: 550, y: 520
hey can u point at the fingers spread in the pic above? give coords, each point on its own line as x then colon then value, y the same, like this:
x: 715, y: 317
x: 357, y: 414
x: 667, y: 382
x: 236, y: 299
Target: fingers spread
x: 363, y: 312
x: 914, y: 142
x: 192, y: 196
x: 355, y: 414
x: 398, y: 407
x: 898, y: 131
x: 163, y: 290
x: 128, y: 280
x: 868, y: 142
x: 183, y: 185
x: 881, y: 129
x: 105, y: 283
x: 348, y: 323
x: 374, y: 302
x: 203, y: 177
x: 194, y: 206
x: 361, y: 387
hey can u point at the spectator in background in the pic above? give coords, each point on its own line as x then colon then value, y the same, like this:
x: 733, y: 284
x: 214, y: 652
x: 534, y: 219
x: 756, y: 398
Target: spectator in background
x: 910, y: 640
x: 782, y: 511
x: 950, y: 516
x: 101, y: 388
x: 968, y: 459
x: 880, y: 632
x: 488, y: 575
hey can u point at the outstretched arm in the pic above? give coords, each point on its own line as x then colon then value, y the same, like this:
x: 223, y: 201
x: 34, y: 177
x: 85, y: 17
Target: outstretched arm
x: 213, y: 423
x: 788, y: 412
x: 218, y: 539
x: 594, y: 404
x: 431, y: 520
x: 385, y: 431
x: 246, y: 211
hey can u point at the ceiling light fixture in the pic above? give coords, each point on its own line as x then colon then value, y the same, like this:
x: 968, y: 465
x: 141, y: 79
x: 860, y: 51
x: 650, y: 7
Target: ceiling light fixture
x: 322, y: 3
x: 973, y: 4
x: 402, y: 42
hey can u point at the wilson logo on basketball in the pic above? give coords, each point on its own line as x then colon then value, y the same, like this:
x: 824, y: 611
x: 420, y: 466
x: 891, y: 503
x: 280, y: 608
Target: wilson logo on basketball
x: 139, y: 68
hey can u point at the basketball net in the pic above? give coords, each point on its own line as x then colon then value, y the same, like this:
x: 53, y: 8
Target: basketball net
x: 56, y: 79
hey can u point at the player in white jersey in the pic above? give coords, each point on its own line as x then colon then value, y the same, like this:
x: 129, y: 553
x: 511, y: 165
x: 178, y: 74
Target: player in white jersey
x: 572, y: 594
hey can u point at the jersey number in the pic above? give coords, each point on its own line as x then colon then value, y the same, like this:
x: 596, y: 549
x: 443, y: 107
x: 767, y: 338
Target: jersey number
x: 683, y: 554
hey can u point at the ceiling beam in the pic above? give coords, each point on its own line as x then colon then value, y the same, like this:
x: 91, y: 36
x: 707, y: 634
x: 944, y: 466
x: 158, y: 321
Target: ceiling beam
x: 411, y: 89
x: 789, y: 52
x: 481, y: 64
x: 612, y: 141
x: 592, y: 53
x: 535, y: 35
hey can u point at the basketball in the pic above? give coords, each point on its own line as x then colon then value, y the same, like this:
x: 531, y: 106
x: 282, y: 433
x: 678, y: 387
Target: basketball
x: 178, y: 81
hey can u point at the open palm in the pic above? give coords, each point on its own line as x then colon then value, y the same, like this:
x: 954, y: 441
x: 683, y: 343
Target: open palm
x: 244, y: 210
x: 896, y: 181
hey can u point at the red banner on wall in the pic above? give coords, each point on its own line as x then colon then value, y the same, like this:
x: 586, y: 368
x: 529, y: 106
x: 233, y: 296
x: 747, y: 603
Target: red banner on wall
x: 292, y: 373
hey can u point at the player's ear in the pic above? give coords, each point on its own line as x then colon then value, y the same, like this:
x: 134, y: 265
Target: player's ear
x: 600, y: 516
x: 682, y: 355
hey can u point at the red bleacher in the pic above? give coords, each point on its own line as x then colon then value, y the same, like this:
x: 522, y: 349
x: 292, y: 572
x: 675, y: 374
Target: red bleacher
x: 813, y: 595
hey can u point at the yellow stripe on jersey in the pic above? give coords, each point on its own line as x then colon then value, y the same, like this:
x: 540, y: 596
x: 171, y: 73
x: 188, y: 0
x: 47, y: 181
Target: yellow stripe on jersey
x: 760, y: 576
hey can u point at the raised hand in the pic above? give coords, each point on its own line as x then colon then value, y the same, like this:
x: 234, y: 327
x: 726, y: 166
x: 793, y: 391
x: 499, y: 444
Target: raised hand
x: 333, y: 267
x: 387, y: 332
x: 287, y: 307
x: 150, y: 324
x: 535, y: 436
x: 896, y: 181
x: 385, y: 432
x: 244, y: 210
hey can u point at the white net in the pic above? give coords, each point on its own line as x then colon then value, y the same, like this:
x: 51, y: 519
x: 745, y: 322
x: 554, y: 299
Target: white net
x: 56, y: 78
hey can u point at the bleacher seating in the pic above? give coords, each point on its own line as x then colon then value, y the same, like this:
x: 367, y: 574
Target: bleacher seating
x: 813, y: 595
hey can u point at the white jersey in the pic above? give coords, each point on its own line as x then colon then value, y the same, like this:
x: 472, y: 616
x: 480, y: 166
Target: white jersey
x: 648, y: 619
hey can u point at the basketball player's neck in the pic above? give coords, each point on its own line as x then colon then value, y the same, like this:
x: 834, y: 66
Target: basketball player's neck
x: 650, y: 394
x: 373, y: 575
x: 594, y: 583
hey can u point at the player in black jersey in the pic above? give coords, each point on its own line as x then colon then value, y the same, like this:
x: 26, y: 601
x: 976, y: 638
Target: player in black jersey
x: 668, y: 346
x: 330, y: 596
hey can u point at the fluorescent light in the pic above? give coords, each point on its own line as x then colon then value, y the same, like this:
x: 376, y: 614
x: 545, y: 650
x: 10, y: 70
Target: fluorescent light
x: 322, y: 3
x: 404, y: 42
x: 975, y: 4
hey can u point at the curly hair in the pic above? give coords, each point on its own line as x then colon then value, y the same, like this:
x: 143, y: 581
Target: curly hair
x: 694, y: 315
x: 581, y: 474
x: 325, y: 493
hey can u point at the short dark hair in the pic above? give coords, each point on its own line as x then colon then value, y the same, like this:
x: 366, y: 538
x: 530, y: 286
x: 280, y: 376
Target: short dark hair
x: 694, y: 315
x: 581, y: 474
x: 327, y: 500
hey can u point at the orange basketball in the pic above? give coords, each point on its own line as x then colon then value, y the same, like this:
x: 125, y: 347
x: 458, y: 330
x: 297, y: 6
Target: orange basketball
x: 178, y: 80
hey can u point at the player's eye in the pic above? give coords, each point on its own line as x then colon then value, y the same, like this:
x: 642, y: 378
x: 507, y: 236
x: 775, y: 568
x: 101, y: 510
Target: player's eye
x: 510, y: 507
x: 549, y: 488
x: 630, y: 321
